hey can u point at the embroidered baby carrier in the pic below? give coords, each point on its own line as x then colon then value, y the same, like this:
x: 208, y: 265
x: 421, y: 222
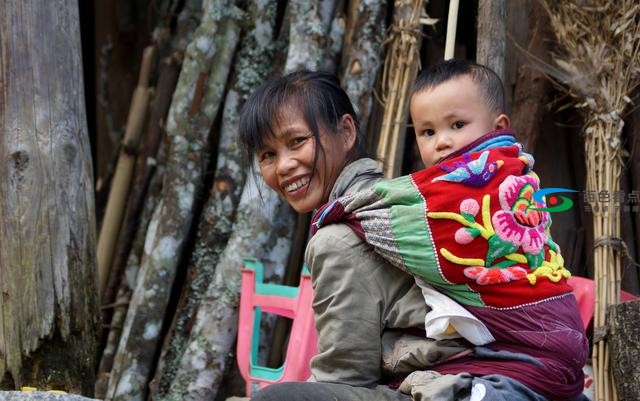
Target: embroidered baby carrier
x: 468, y: 226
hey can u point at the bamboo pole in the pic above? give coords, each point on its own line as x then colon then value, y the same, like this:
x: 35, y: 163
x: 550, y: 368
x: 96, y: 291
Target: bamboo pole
x: 124, y: 169
x: 452, y: 26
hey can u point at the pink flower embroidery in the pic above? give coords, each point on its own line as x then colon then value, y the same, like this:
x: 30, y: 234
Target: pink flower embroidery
x: 495, y: 275
x: 517, y: 223
x: 469, y: 206
x: 463, y: 236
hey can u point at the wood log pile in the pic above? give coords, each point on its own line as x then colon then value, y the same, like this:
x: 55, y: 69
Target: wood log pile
x: 170, y: 279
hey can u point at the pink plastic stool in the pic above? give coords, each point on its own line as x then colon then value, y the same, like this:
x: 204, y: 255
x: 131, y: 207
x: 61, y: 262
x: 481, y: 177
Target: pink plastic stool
x: 584, y: 291
x: 292, y: 302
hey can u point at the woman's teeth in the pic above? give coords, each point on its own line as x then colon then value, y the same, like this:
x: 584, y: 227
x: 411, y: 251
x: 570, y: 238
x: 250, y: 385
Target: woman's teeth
x: 296, y: 185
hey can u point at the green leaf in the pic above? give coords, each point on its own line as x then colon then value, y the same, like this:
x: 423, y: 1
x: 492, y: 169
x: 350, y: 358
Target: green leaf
x: 468, y: 217
x: 473, y: 231
x: 552, y: 245
x: 505, y: 263
x: 499, y: 248
x: 535, y: 260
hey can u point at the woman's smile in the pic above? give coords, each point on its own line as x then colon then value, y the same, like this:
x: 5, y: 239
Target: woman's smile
x: 290, y: 164
x: 296, y: 185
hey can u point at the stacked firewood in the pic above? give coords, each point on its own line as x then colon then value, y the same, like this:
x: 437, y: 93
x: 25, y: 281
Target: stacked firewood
x: 182, y: 211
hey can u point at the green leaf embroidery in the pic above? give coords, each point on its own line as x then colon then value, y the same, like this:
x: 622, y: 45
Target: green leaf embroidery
x: 505, y: 263
x: 535, y: 260
x: 468, y: 217
x: 473, y: 231
x: 499, y: 248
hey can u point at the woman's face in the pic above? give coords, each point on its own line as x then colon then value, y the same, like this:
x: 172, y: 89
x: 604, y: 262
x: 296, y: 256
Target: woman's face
x: 286, y: 160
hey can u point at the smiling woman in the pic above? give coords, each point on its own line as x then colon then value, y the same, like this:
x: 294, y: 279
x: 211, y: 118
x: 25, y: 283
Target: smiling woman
x: 305, y: 135
x: 303, y: 131
x: 288, y: 160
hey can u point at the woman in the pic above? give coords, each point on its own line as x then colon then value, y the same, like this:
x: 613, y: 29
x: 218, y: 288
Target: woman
x: 305, y: 135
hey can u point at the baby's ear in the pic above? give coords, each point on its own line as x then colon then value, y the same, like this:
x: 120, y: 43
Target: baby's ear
x: 501, y: 122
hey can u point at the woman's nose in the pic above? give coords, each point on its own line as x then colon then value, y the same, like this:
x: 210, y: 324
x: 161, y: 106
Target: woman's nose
x: 286, y: 164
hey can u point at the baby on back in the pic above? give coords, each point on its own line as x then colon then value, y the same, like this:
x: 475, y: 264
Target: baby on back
x: 468, y: 226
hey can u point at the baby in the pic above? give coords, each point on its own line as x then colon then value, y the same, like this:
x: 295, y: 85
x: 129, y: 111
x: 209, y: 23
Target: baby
x: 469, y: 227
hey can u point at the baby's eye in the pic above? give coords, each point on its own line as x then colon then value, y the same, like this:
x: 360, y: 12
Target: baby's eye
x: 428, y: 132
x: 458, y: 125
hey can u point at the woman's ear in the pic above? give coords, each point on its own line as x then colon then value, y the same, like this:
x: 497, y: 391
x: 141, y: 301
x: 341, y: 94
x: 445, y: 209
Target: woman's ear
x: 348, y: 131
x: 501, y: 122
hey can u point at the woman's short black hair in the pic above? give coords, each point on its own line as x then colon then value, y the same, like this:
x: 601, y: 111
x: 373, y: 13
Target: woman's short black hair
x: 488, y: 81
x: 317, y: 96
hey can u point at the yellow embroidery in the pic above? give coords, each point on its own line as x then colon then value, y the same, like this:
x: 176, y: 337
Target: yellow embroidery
x: 486, y: 215
x: 554, y: 269
x: 486, y: 230
x: 517, y: 257
x: 461, y: 261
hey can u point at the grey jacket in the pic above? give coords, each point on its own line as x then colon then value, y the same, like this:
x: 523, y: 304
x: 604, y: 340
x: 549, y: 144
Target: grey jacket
x: 358, y: 297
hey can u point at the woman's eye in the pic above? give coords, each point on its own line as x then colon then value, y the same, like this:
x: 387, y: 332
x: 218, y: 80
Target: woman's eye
x: 264, y: 156
x: 298, y: 140
x: 458, y: 125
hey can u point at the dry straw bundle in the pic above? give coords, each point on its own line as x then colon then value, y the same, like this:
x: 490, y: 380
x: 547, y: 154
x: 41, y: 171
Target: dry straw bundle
x: 400, y: 70
x: 598, y: 63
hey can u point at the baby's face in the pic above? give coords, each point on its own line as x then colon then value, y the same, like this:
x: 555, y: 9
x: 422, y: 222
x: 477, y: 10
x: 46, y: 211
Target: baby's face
x: 450, y: 116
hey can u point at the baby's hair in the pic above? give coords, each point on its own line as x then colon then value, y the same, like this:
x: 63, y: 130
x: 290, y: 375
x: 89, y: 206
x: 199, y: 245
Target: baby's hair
x: 318, y: 98
x: 488, y: 81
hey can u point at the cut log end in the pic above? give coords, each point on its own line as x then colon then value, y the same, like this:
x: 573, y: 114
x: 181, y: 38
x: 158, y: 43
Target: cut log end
x: 624, y: 332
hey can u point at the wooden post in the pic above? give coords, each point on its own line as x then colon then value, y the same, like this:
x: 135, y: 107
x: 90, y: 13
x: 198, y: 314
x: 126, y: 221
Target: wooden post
x: 48, y: 302
x: 624, y: 332
x: 491, y: 42
x: 532, y: 88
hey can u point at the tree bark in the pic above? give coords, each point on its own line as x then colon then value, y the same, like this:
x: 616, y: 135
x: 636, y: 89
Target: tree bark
x: 40, y: 396
x: 194, y: 106
x: 253, y: 65
x: 262, y: 230
x: 624, y: 332
x: 308, y: 36
x: 49, y: 305
x: 491, y: 43
x: 127, y: 284
x: 168, y: 70
x: 532, y: 88
x: 361, y: 57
